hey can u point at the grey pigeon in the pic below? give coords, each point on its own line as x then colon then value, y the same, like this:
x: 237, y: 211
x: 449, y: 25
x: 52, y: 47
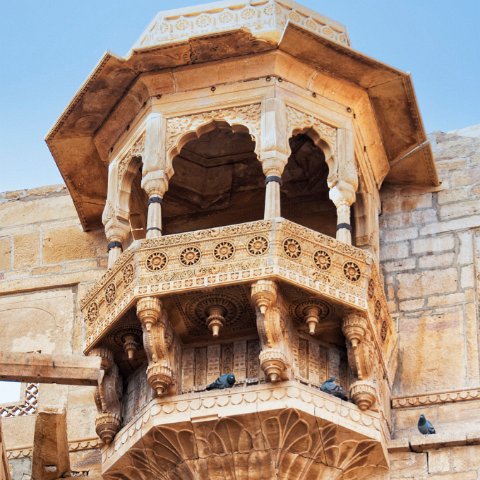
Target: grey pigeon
x: 424, y: 426
x: 226, y: 380
x: 332, y: 388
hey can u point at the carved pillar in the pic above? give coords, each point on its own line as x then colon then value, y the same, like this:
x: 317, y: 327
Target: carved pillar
x: 271, y: 330
x: 157, y: 346
x: 274, y: 152
x: 155, y: 172
x: 115, y: 221
x: 108, y: 396
x: 360, y: 358
x: 343, y: 196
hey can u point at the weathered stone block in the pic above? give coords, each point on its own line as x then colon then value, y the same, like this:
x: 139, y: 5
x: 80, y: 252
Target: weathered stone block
x: 433, y: 244
x: 460, y: 209
x: 408, y: 464
x: 5, y: 253
x: 465, y: 254
x: 399, y: 265
x: 427, y: 341
x: 436, y: 261
x: 429, y: 282
x: 26, y: 250
x: 400, y: 234
x: 395, y: 250
x: 467, y: 277
x: 71, y: 243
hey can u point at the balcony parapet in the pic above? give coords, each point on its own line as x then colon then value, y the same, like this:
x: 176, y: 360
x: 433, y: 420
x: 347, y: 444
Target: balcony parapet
x: 244, y: 253
x: 254, y: 422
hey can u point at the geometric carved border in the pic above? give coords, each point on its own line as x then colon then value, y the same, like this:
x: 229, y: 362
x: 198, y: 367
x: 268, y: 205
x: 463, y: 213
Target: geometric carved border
x: 28, y: 407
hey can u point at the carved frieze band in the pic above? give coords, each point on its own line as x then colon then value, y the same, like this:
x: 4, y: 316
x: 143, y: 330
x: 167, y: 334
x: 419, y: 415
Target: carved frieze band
x: 247, y: 115
x: 73, y: 446
x: 434, y: 398
x: 261, y: 16
x: 255, y: 250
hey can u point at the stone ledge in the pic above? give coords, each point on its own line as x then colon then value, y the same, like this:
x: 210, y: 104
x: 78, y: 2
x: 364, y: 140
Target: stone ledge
x: 252, y: 400
x: 423, y: 443
x: 433, y: 398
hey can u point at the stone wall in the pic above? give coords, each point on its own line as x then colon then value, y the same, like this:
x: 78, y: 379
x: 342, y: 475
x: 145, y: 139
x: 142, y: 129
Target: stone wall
x: 46, y: 264
x: 430, y: 254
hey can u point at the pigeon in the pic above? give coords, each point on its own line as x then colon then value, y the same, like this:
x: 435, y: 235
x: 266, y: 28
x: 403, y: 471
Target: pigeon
x: 226, y: 380
x: 424, y: 426
x: 332, y: 388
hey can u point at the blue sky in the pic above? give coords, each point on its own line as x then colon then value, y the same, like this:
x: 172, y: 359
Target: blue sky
x: 49, y: 47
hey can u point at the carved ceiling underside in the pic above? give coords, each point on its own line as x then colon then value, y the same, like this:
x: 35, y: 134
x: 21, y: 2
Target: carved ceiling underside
x: 276, y: 444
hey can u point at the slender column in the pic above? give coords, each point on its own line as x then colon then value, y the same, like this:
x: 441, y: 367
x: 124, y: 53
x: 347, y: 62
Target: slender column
x: 343, y: 196
x: 156, y: 173
x: 272, y: 196
x: 116, y: 231
x: 274, y: 152
x: 115, y: 221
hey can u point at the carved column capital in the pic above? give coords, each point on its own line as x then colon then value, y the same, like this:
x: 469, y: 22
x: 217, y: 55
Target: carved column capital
x: 155, y: 183
x: 264, y: 294
x: 354, y: 327
x: 148, y: 311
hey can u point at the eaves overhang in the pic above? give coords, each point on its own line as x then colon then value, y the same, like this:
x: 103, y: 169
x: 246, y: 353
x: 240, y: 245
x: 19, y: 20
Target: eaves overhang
x: 84, y: 169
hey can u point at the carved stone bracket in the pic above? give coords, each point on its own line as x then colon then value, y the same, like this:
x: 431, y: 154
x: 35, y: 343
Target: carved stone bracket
x: 108, y: 396
x: 157, y: 344
x: 359, y: 344
x: 363, y: 394
x: 271, y: 330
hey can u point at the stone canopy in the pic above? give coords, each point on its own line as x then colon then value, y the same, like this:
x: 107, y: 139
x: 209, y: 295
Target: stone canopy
x: 262, y: 34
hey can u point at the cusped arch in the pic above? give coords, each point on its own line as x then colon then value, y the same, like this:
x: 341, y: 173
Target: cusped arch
x: 121, y: 174
x: 322, y: 135
x: 181, y: 130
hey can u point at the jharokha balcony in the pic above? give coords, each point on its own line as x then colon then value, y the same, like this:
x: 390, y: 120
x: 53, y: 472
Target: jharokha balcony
x: 282, y: 307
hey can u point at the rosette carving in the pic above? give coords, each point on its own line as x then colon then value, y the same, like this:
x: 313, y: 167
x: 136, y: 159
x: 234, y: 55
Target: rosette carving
x: 157, y: 343
x: 271, y: 330
x: 108, y: 396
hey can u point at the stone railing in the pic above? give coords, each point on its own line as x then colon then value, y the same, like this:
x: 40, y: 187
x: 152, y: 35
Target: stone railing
x: 277, y: 249
x: 261, y: 18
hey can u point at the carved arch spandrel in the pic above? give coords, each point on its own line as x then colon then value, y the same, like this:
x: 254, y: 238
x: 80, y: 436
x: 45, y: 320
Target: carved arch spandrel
x: 121, y: 173
x: 332, y: 141
x: 182, y: 129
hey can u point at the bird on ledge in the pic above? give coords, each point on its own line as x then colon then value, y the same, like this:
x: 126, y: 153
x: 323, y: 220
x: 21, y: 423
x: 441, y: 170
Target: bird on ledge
x: 332, y: 388
x: 424, y: 426
x: 226, y: 380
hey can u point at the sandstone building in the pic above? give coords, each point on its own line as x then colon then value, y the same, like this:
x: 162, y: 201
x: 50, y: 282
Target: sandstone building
x: 272, y: 207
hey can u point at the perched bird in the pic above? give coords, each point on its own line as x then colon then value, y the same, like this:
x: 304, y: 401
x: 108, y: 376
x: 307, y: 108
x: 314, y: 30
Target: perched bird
x: 226, y: 380
x: 424, y: 426
x: 333, y: 389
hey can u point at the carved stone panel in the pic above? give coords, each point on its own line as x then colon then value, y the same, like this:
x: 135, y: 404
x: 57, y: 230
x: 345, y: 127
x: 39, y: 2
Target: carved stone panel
x: 202, y: 365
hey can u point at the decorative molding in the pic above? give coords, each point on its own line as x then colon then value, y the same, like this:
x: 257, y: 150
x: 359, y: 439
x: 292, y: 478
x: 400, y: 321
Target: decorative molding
x: 73, y: 446
x: 248, y: 116
x: 261, y: 17
x: 434, y: 398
